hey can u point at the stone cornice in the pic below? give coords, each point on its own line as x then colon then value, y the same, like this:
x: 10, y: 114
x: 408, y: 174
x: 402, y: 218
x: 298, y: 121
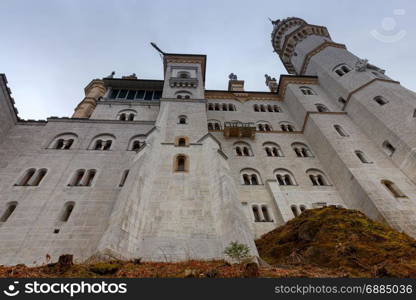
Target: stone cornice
x: 286, y: 80
x: 364, y: 86
x: 129, y: 102
x: 82, y: 120
x: 316, y: 51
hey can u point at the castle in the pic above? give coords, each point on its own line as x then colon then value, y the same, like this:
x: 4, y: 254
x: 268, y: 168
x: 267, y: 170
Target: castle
x: 167, y: 170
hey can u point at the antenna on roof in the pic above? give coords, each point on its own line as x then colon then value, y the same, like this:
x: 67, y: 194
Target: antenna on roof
x: 157, y: 48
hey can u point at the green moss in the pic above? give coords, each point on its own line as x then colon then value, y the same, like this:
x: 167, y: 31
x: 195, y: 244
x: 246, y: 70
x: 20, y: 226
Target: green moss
x: 341, y: 239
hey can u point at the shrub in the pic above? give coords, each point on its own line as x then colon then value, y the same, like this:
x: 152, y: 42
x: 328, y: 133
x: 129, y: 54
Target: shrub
x: 237, y: 252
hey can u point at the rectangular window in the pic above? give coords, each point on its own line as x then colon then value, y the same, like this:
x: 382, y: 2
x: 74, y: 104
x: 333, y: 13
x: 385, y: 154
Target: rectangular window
x: 122, y: 94
x: 157, y: 95
x: 140, y: 94
x: 131, y: 94
x: 113, y: 94
x: 148, y: 95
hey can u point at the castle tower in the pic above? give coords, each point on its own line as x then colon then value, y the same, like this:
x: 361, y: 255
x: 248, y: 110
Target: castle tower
x: 385, y: 110
x: 353, y: 110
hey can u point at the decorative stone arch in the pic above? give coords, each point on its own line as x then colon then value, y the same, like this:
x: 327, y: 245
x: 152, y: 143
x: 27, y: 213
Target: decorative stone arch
x: 317, y: 177
x: 272, y: 149
x: 181, y: 163
x: 103, y: 141
x: 136, y: 142
x: 63, y: 141
x: 284, y: 177
x: 181, y: 141
x: 250, y: 176
x: 126, y: 115
x: 242, y: 149
x: 301, y: 149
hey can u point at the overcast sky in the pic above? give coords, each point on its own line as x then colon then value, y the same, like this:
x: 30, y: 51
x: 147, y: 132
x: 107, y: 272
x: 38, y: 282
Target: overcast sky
x: 50, y: 50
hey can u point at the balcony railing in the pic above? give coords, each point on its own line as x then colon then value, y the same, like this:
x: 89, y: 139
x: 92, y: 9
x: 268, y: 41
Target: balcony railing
x: 239, y: 129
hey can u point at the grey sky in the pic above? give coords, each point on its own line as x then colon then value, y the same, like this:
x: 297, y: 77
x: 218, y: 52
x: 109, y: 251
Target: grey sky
x: 50, y: 50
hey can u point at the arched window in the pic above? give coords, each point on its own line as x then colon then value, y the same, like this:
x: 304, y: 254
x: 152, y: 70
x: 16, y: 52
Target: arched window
x: 302, y: 208
x: 266, y: 215
x: 317, y: 177
x: 124, y: 178
x: 89, y: 177
x: 231, y: 107
x: 67, y: 211
x: 182, y: 120
x: 272, y: 149
x: 321, y: 108
x: 102, y: 142
x: 340, y: 130
x: 256, y: 213
x: 183, y: 95
x: 262, y: 108
x: 217, y: 106
x: 250, y: 177
x: 342, y: 69
x: 77, y: 178
x: 342, y: 100
x: 126, y: 115
x: 40, y: 174
x: 362, y: 157
x: 307, y: 90
x: 276, y: 108
x: 284, y: 177
x: 294, y: 210
x: 388, y: 148
x: 24, y: 181
x: 214, y: 125
x: 380, y: 100
x: 263, y: 126
x: 256, y: 107
x: 393, y: 189
x: 224, y: 107
x: 301, y: 150
x: 181, y: 142
x: 136, y: 142
x: 210, y: 106
x: 181, y: 163
x: 269, y: 108
x: 287, y: 127
x: 63, y: 141
x: 11, y: 206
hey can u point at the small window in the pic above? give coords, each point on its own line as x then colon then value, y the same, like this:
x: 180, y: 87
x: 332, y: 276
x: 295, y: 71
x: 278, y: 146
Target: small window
x: 131, y: 94
x: 321, y: 108
x: 380, y: 100
x: 256, y: 213
x: 122, y: 94
x: 40, y: 174
x: 294, y: 210
x: 340, y: 130
x: 393, y: 189
x: 182, y: 120
x: 90, y: 177
x: 361, y: 156
x: 182, y: 142
x: 342, y: 100
x: 9, y: 210
x: 388, y: 148
x: 26, y: 177
x: 124, y: 178
x: 136, y: 146
x: 266, y: 215
x: 68, y: 208
x: 180, y: 163
x: 77, y: 178
x: 113, y: 94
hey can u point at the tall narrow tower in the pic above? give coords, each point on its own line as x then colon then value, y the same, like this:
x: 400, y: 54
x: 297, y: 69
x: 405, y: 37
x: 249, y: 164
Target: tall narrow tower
x: 383, y: 108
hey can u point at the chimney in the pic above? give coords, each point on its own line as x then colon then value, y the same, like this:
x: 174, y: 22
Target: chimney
x: 235, y: 85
